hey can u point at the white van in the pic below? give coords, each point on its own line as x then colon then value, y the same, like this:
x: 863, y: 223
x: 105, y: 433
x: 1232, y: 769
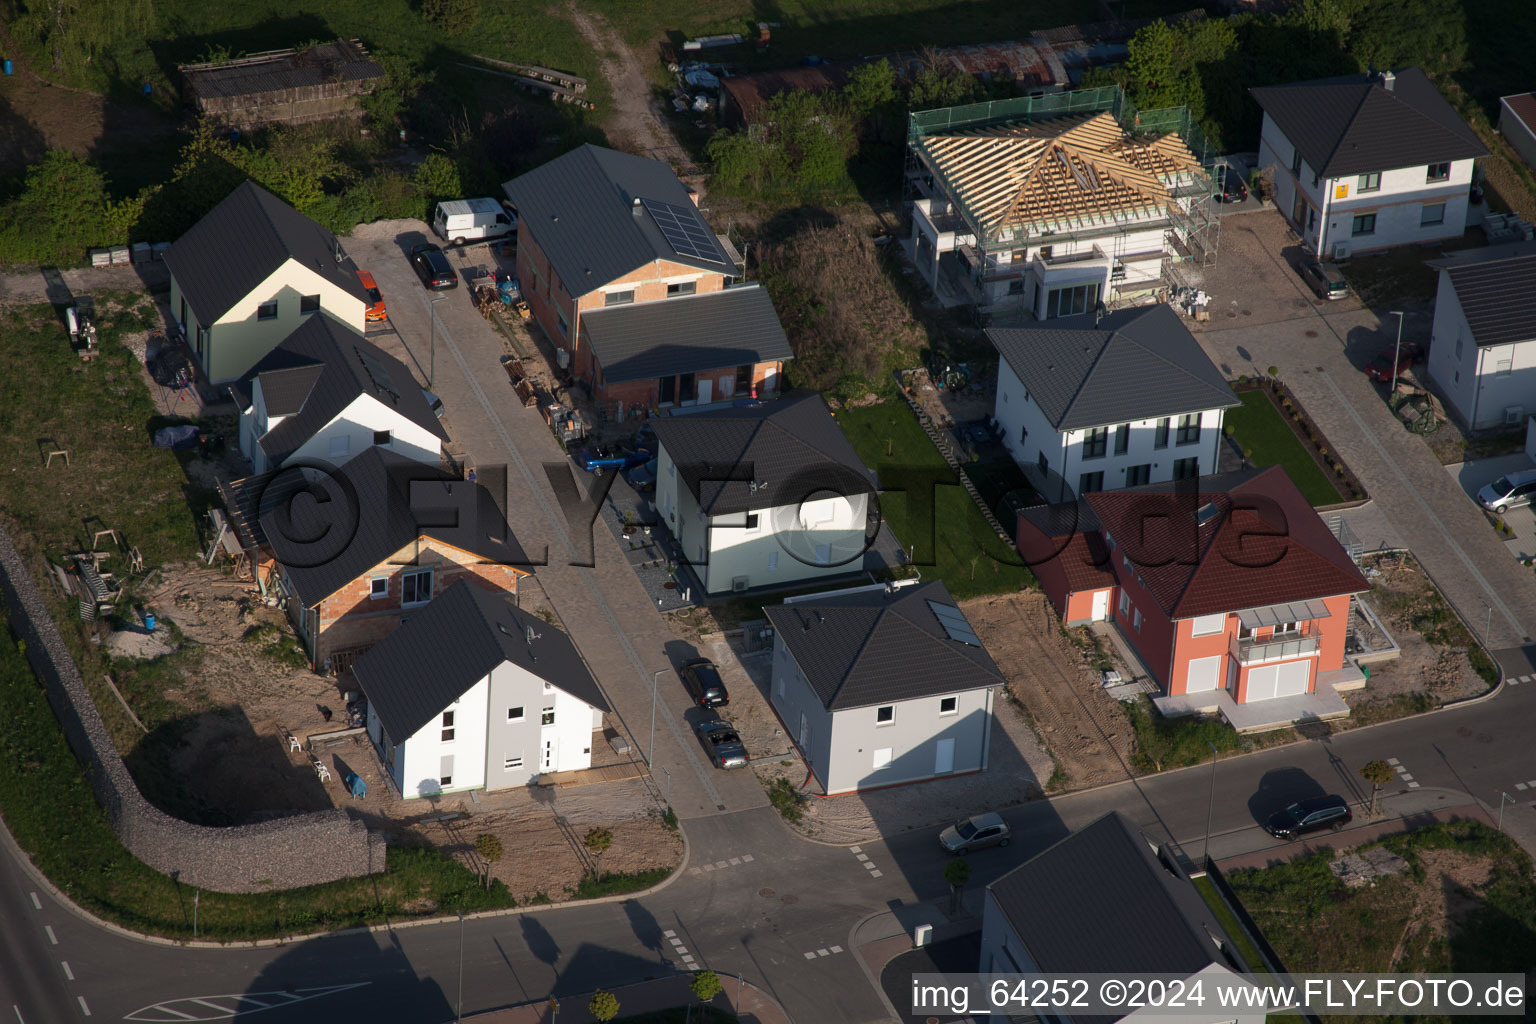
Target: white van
x: 458, y: 221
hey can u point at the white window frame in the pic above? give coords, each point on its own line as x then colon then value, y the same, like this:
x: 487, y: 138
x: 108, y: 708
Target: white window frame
x: 416, y: 586
x: 888, y: 721
x: 512, y: 764
x: 448, y: 728
x: 547, y: 716
x: 954, y: 705
x: 521, y: 716
x: 374, y: 592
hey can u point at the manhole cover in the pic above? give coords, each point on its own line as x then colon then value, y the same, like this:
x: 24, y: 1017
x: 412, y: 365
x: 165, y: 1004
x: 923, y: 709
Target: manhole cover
x: 766, y: 894
x: 1247, y: 312
x: 669, y: 585
x: 1231, y: 315
x: 1311, y: 334
x: 789, y: 898
x: 1463, y: 731
x: 1319, y: 369
x: 1485, y: 737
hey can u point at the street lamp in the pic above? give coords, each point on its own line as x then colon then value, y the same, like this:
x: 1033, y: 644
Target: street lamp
x: 432, y: 317
x: 1504, y: 798
x: 650, y: 752
x: 1210, y: 804
x: 1397, y: 353
x: 458, y: 1013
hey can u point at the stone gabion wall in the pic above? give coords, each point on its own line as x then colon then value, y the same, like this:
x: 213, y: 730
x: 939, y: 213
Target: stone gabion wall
x: 284, y: 853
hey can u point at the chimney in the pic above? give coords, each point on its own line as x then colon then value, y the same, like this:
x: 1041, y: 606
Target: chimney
x: 1388, y: 80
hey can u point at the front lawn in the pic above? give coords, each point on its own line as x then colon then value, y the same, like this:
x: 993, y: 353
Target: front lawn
x: 1262, y: 433
x: 952, y: 541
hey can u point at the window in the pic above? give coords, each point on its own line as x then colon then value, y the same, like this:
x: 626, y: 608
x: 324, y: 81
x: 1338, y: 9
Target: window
x: 1122, y: 438
x: 682, y: 288
x: 1504, y: 367
x: 1206, y: 625
x: 565, y: 325
x: 1370, y: 182
x: 416, y: 587
x: 378, y: 587
x: 1295, y: 161
x: 885, y: 715
x: 1160, y: 438
x: 1186, y: 469
x: 512, y: 763
x: 686, y: 388
x: 1136, y: 475
x: 752, y: 522
x: 668, y: 393
x: 1189, y: 429
x: 1043, y: 462
x: 1090, y: 482
x: 1438, y: 172
x: 1125, y: 602
x: 447, y: 726
x: 340, y: 446
x: 445, y: 781
x: 1136, y: 620
x: 1458, y: 346
x: 514, y: 714
x: 744, y: 377
x: 1365, y: 224
x: 1431, y: 214
x: 883, y: 757
x: 381, y: 438
x: 547, y: 716
x: 949, y: 705
x: 309, y: 304
x: 1071, y: 300
x: 267, y: 310
x: 1095, y: 443
x: 623, y: 298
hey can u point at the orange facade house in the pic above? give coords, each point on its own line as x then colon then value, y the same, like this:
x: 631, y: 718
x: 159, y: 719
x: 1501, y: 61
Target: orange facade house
x: 635, y: 290
x: 1230, y: 588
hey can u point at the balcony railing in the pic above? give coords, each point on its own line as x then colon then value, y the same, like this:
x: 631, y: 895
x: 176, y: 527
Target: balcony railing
x: 1250, y: 652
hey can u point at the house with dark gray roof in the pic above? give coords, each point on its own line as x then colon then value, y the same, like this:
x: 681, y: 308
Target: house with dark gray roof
x: 883, y: 684
x: 472, y: 692
x: 1367, y: 161
x: 325, y: 394
x: 359, y: 548
x: 1482, y: 348
x: 249, y: 274
x: 602, y: 234
x: 1094, y: 403
x: 1109, y: 899
x: 763, y: 494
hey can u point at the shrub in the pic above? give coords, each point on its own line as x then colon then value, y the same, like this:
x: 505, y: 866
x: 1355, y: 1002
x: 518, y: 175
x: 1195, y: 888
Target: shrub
x: 786, y: 799
x: 1273, y: 371
x: 452, y: 16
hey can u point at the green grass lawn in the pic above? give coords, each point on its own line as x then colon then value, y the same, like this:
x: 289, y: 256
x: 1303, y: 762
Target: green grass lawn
x: 953, y: 542
x: 1258, y: 427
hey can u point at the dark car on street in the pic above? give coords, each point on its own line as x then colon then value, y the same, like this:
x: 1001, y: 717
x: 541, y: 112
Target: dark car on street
x: 1381, y: 368
x: 1312, y: 815
x: 642, y: 477
x: 432, y: 266
x: 704, y: 684
x: 1230, y: 187
x: 723, y: 745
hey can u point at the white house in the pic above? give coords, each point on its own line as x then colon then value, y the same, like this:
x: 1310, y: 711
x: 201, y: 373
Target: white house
x: 1482, y: 348
x: 1100, y: 403
x: 1367, y: 161
x: 474, y: 693
x: 763, y: 494
x: 327, y: 395
x: 882, y: 684
x: 249, y: 273
x: 1109, y: 899
x: 1053, y: 216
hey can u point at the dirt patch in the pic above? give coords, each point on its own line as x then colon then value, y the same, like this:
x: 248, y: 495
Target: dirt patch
x: 631, y: 123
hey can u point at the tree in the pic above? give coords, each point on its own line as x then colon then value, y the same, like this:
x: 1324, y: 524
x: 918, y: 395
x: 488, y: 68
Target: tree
x: 63, y: 210
x: 452, y: 16
x: 957, y: 872
x: 1378, y: 774
x: 489, y: 849
x: 603, y: 1005
x: 597, y: 841
x: 436, y: 178
x: 403, y: 81
x: 705, y: 985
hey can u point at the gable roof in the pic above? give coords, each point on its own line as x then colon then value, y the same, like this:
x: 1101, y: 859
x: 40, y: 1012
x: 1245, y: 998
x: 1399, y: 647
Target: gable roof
x: 327, y: 63
x: 1133, y: 364
x: 689, y: 334
x: 453, y: 643
x: 242, y: 241
x: 317, y: 372
x: 1067, y: 532
x: 1496, y: 287
x: 1102, y: 900
x: 1263, y: 546
x: 1023, y: 173
x: 585, y: 210
x: 368, y: 510
x: 793, y: 447
x: 878, y: 646
x: 1354, y: 124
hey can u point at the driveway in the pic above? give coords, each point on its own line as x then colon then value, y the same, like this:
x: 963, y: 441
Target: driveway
x: 587, y: 580
x: 1320, y: 352
x: 1475, y: 475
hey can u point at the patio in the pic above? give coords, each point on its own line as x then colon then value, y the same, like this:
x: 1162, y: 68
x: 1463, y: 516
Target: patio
x: 1262, y: 716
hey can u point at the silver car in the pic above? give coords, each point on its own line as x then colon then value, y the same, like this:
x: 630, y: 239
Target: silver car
x: 976, y: 833
x: 1325, y: 278
x: 1509, y: 491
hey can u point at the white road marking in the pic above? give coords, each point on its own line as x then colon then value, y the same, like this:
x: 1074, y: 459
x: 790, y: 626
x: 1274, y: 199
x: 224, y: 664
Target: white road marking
x: 721, y: 864
x: 876, y: 874
x: 83, y: 1008
x: 836, y: 949
x: 51, y: 937
x: 823, y: 952
x: 735, y: 861
x: 855, y: 849
x: 67, y: 972
x: 1521, y: 785
x: 864, y: 857
x: 1405, y: 776
x: 709, y: 867
x: 18, y: 1013
x: 37, y: 904
x: 681, y: 950
x: 1393, y: 761
x: 810, y: 956
x: 1413, y: 785
x: 668, y: 934
x: 746, y: 858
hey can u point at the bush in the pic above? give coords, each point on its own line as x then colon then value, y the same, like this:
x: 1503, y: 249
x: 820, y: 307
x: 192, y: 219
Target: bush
x: 1163, y: 743
x: 786, y: 799
x: 452, y: 16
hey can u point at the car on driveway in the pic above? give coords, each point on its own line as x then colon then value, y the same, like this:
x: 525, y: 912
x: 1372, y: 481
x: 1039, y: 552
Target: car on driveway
x: 1381, y: 368
x: 1326, y: 279
x: 704, y: 684
x: 1230, y: 187
x: 642, y: 477
x: 976, y: 833
x: 1509, y: 491
x: 599, y: 458
x: 1312, y: 815
x: 376, y: 312
x: 432, y: 266
x: 723, y: 745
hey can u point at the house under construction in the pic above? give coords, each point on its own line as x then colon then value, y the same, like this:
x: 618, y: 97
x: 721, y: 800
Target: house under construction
x: 1052, y: 205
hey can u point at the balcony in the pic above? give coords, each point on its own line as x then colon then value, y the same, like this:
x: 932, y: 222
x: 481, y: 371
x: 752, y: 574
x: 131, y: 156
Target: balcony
x: 1254, y: 652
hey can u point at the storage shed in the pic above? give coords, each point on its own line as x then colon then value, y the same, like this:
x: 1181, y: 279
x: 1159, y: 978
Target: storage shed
x: 294, y: 86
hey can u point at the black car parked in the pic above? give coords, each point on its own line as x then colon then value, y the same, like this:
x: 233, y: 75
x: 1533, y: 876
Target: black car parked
x: 1311, y: 815
x: 704, y: 684
x: 432, y: 266
x: 1230, y: 187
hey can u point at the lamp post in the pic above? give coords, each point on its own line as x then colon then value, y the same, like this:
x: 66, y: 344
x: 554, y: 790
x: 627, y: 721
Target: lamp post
x: 432, y: 317
x: 1503, y: 799
x: 1397, y: 353
x: 650, y: 751
x: 1210, y: 804
x: 458, y: 1013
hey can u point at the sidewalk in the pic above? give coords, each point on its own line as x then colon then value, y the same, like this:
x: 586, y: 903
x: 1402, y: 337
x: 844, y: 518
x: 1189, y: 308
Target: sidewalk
x: 1404, y: 818
x: 750, y: 1004
x: 877, y: 941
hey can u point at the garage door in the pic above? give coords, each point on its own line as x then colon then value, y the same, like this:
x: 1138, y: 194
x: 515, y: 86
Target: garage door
x: 1262, y: 682
x: 1294, y: 676
x: 1204, y: 674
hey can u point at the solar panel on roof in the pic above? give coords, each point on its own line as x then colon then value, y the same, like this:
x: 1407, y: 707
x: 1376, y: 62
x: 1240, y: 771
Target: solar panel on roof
x: 954, y: 624
x: 377, y: 374
x: 684, y: 230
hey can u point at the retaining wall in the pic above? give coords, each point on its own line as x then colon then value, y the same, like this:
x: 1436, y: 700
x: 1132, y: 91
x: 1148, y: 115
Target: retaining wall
x: 284, y: 853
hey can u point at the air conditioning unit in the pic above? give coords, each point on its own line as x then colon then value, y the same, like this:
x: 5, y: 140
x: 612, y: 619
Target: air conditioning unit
x: 1512, y: 415
x: 739, y: 584
x: 1340, y: 251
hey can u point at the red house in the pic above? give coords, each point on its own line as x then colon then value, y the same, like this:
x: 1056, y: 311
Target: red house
x: 1229, y: 588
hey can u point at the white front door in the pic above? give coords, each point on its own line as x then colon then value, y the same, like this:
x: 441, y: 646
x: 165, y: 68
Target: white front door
x: 551, y: 753
x: 706, y: 392
x: 1204, y: 674
x: 944, y: 756
x: 1101, y: 606
x: 1295, y: 676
